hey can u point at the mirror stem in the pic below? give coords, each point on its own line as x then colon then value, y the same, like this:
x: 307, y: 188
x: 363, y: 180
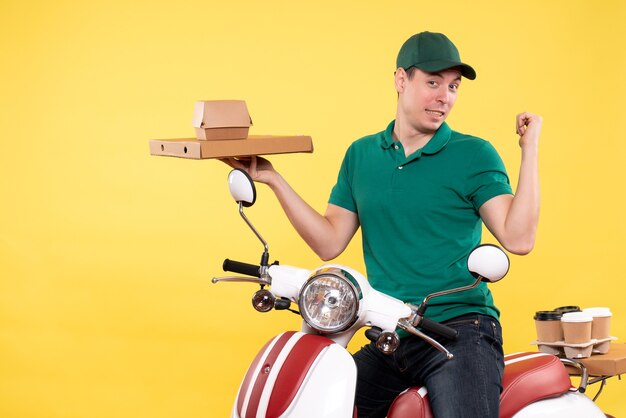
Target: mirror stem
x: 422, y: 308
x: 266, y: 248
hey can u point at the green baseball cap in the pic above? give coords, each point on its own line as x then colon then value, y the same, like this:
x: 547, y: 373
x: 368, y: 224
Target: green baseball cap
x: 432, y: 52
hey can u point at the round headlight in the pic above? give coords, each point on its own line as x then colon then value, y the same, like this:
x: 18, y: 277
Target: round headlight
x: 329, y: 301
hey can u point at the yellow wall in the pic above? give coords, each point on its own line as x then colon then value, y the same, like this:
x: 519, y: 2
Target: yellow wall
x: 106, y: 309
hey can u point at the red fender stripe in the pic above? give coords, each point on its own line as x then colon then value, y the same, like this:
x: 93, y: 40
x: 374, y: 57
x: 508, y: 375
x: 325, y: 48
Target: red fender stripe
x: 261, y: 378
x: 293, y: 372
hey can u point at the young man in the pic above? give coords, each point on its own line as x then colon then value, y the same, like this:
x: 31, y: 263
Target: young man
x: 420, y: 192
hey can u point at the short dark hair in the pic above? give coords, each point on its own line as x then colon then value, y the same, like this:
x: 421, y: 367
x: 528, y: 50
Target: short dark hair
x: 410, y: 72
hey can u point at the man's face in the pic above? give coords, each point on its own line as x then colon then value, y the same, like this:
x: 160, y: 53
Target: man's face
x: 425, y: 100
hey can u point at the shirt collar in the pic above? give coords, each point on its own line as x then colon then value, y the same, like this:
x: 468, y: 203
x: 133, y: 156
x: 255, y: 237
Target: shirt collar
x: 436, y: 143
x: 387, y: 138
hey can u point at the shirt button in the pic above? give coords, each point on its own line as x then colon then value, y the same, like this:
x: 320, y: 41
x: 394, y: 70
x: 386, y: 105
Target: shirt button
x: 396, y: 147
x: 401, y: 167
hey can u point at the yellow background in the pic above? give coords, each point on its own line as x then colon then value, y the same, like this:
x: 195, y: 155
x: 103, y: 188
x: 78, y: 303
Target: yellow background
x: 106, y: 308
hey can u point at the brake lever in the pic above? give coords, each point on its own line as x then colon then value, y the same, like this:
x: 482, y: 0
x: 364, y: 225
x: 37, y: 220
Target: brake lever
x: 405, y: 324
x: 241, y: 279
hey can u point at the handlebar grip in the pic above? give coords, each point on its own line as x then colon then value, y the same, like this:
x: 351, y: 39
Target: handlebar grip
x: 438, y: 328
x: 242, y: 268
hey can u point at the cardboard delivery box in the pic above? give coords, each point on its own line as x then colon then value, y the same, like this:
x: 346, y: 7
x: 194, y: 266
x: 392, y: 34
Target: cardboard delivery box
x: 253, y: 145
x: 221, y: 119
x: 609, y: 364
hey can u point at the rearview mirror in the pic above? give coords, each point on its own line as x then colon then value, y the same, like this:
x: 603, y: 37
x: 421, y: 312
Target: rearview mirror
x: 489, y: 262
x: 241, y: 187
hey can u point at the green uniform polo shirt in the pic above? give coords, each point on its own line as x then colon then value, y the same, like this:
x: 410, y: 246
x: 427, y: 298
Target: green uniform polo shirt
x: 419, y: 214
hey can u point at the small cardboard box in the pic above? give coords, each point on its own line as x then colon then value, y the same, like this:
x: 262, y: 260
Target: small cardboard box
x: 221, y: 119
x: 253, y: 145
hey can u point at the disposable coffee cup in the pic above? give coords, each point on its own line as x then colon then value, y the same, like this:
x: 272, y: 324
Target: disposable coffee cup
x: 601, y: 326
x: 548, y: 324
x: 576, y: 327
x: 565, y: 309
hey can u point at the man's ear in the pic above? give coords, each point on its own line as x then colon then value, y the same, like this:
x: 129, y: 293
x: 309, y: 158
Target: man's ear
x: 400, y: 79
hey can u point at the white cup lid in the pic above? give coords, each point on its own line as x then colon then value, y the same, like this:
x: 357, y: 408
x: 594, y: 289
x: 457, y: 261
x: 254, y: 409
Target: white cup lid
x: 576, y: 317
x: 598, y: 312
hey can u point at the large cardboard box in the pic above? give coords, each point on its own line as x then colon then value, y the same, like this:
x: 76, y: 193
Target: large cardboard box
x: 221, y: 119
x: 253, y: 145
x: 609, y: 364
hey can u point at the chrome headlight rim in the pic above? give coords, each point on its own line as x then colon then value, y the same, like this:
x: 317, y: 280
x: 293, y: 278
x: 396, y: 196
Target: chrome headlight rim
x: 354, y: 288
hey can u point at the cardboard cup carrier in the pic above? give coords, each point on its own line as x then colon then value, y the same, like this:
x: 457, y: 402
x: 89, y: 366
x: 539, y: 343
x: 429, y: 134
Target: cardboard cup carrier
x: 574, y: 333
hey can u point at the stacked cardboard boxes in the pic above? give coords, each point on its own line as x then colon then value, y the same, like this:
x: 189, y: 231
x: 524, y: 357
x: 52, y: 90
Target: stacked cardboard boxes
x: 222, y: 128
